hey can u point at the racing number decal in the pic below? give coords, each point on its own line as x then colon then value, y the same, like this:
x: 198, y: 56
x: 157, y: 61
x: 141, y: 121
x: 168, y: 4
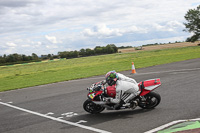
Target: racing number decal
x: 92, y: 95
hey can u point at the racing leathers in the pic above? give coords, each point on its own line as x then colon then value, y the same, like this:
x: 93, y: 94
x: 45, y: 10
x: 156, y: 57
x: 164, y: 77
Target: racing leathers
x: 126, y: 89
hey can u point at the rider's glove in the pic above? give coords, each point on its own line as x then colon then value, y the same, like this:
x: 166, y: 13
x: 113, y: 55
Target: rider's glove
x: 103, y: 82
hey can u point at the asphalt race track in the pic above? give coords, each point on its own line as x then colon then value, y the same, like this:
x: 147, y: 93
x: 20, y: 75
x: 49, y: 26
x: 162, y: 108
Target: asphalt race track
x: 57, y: 108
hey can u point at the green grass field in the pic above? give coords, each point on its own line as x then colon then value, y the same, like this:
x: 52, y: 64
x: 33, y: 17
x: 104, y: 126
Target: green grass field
x: 21, y: 76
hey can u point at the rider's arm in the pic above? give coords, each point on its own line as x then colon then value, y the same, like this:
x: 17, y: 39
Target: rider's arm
x: 117, y: 98
x: 119, y: 90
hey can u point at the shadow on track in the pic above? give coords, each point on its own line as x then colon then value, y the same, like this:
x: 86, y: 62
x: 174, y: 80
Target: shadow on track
x: 93, y: 119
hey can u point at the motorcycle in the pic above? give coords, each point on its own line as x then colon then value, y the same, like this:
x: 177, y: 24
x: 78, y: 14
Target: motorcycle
x: 99, y: 92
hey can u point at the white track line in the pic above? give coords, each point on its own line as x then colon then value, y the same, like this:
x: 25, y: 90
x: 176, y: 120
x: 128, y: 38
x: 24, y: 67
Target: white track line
x: 170, y: 124
x: 56, y: 119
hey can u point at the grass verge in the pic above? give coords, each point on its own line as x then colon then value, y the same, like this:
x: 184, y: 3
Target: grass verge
x: 21, y: 76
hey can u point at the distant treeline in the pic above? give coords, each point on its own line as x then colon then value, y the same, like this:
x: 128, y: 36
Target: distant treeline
x: 18, y: 58
x: 160, y: 43
x: 98, y: 50
x: 123, y: 47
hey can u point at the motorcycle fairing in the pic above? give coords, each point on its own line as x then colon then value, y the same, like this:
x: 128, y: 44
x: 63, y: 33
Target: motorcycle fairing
x: 148, y: 86
x: 94, y: 94
x: 152, y: 82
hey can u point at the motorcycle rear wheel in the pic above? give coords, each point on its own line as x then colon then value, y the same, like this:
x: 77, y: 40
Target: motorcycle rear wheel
x: 152, y: 100
x: 92, y: 108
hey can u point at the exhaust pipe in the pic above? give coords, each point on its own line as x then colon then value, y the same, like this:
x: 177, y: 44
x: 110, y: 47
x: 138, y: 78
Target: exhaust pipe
x: 99, y: 103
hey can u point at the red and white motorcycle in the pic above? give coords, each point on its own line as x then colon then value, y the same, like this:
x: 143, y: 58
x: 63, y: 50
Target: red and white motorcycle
x: 98, y: 92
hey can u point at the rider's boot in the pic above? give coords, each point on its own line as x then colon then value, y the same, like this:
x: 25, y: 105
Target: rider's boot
x: 118, y: 106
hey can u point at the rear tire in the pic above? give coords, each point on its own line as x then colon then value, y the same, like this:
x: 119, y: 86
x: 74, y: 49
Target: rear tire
x: 152, y: 100
x: 92, y: 108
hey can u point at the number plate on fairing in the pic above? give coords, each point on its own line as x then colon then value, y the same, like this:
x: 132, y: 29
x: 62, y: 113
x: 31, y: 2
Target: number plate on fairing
x: 92, y: 95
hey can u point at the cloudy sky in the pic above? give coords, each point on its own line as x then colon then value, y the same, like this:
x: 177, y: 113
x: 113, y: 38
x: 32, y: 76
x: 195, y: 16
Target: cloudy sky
x: 50, y: 26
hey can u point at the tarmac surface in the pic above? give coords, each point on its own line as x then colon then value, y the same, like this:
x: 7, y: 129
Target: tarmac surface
x: 57, y: 107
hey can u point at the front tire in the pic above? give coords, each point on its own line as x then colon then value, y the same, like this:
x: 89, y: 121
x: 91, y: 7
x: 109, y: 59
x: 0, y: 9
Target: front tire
x: 92, y: 108
x: 152, y: 100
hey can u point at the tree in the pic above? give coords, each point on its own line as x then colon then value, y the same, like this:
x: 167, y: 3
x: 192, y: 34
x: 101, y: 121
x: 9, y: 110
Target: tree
x: 49, y: 56
x: 193, y: 24
x: 34, y: 56
x: 98, y: 50
x: 17, y: 57
x: 25, y: 58
x: 10, y: 58
x: 114, y: 48
x: 82, y: 52
x: 109, y: 49
x: 89, y: 52
x: 73, y: 54
x: 2, y: 60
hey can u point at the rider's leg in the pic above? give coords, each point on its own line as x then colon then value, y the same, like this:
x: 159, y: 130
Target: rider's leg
x: 131, y: 93
x: 129, y: 97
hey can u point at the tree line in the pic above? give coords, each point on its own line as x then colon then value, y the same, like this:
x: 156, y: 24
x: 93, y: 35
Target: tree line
x: 98, y: 50
x: 17, y: 58
x: 21, y: 58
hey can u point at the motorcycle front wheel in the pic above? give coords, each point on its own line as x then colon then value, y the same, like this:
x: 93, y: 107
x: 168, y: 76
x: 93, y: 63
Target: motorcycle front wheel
x: 92, y: 108
x: 152, y: 100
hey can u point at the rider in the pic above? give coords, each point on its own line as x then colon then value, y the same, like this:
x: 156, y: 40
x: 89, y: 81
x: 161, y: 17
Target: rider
x: 126, y: 88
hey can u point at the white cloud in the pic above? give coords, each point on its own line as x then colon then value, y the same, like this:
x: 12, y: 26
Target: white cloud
x: 175, y: 24
x: 52, y: 39
x: 168, y: 26
x: 159, y: 27
x: 134, y: 29
x: 38, y: 44
x: 10, y: 44
x: 26, y: 45
x: 101, y: 30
